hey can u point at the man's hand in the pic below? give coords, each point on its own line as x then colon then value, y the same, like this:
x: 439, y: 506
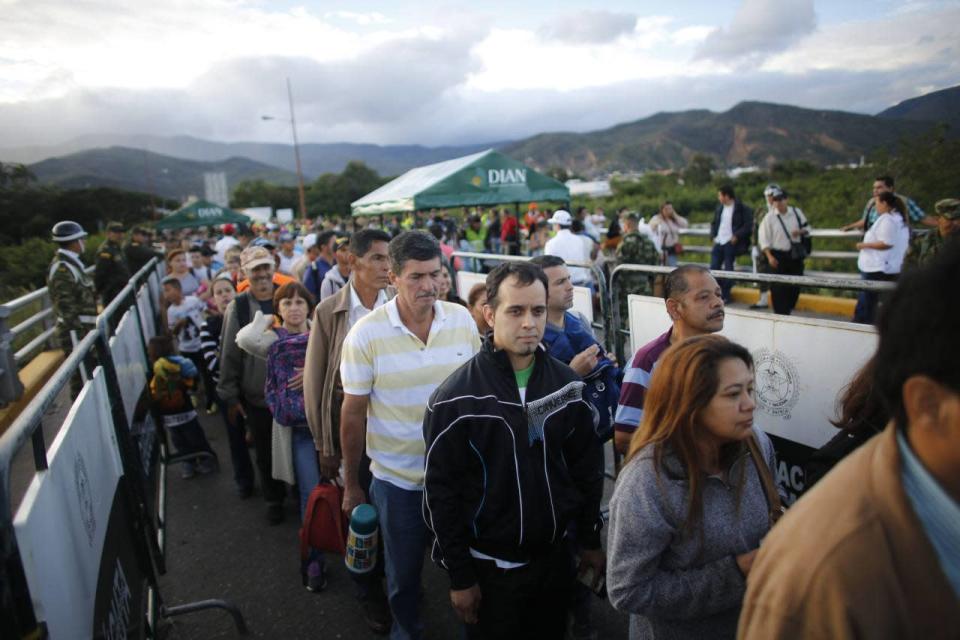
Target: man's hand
x: 466, y: 602
x: 236, y: 411
x: 596, y: 560
x: 329, y: 466
x: 353, y: 495
x: 296, y: 382
x: 584, y: 362
x: 772, y: 261
x: 733, y: 239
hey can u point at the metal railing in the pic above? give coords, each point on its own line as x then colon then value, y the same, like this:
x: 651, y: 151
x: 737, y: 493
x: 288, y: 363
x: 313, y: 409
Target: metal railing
x: 14, y: 357
x: 817, y: 281
x: 15, y: 604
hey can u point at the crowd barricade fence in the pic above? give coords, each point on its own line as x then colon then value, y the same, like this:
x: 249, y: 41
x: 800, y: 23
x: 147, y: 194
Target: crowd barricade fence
x: 83, y: 548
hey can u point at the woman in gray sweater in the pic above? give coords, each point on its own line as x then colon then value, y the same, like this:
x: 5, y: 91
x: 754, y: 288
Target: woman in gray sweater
x: 689, y: 509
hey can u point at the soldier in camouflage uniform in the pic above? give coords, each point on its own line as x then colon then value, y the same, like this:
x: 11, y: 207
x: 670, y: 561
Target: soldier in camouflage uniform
x: 636, y: 248
x: 924, y: 248
x: 71, y: 290
x: 111, y: 272
x: 138, y: 251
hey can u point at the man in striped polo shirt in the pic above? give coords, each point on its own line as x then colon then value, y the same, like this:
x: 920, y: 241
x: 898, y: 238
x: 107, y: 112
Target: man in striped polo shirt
x: 695, y: 304
x: 392, y: 361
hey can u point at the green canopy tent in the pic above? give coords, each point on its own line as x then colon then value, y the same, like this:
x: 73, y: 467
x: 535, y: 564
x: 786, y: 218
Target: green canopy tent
x: 487, y: 178
x: 201, y: 214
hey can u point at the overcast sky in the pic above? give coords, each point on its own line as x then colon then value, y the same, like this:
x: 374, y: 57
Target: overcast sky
x: 392, y: 72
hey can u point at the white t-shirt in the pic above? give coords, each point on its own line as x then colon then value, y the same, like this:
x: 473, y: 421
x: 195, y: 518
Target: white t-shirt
x: 890, y: 230
x: 725, y: 232
x: 571, y: 248
x: 191, y: 309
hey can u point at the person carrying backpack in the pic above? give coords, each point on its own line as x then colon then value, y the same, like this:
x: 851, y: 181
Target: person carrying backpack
x: 242, y: 376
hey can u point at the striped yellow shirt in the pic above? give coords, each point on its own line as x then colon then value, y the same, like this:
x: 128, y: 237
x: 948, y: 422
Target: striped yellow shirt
x: 384, y: 360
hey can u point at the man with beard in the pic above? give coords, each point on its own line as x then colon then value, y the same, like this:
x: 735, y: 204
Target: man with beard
x: 511, y: 461
x: 695, y: 304
x: 242, y: 376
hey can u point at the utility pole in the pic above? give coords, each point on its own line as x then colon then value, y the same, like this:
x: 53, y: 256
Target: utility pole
x: 296, y: 151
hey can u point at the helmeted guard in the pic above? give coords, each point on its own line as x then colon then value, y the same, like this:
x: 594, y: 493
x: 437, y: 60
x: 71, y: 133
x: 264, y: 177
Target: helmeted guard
x: 71, y: 289
x: 138, y: 251
x: 111, y: 272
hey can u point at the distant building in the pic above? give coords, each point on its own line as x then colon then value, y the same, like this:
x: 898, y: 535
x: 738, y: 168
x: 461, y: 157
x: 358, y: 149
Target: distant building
x: 594, y: 189
x: 215, y: 188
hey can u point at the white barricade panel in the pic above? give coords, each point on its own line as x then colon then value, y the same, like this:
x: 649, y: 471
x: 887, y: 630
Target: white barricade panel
x: 582, y: 298
x: 62, y: 523
x: 146, y: 313
x: 583, y: 302
x: 130, y: 362
x: 796, y: 388
x: 466, y: 281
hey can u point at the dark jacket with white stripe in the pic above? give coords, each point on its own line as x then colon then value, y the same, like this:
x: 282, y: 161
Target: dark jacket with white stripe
x: 505, y: 478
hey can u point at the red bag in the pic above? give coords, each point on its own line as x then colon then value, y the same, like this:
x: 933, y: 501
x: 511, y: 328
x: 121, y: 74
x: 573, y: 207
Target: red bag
x: 324, y: 527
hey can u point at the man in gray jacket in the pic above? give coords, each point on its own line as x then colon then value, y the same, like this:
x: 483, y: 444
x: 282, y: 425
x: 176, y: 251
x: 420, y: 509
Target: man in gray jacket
x: 242, y: 376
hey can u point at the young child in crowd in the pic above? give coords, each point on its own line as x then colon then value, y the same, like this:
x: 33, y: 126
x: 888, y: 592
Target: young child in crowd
x: 184, y: 320
x: 173, y: 378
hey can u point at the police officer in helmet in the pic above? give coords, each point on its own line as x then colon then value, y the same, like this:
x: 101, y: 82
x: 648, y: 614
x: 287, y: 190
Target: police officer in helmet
x: 71, y: 289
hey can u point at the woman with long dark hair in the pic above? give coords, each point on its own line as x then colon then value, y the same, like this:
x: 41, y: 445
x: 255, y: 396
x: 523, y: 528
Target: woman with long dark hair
x: 692, y: 502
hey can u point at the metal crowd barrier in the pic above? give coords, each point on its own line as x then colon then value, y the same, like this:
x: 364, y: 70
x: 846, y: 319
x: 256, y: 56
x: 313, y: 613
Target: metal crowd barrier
x: 12, y: 359
x: 144, y: 530
x: 821, y: 282
x: 703, y: 232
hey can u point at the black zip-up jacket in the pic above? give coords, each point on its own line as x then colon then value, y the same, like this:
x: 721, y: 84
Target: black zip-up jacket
x: 505, y: 478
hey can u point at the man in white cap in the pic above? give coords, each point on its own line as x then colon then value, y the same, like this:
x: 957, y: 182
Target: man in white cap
x: 570, y: 247
x: 310, y: 253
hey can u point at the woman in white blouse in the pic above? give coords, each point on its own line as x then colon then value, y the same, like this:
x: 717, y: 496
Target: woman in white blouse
x: 881, y: 253
x: 666, y: 225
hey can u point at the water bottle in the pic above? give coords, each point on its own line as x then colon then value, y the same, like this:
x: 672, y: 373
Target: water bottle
x: 361, y: 555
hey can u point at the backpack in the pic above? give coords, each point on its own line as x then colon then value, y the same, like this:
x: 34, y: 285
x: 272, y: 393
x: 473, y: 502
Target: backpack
x: 602, y: 385
x: 324, y: 528
x: 289, y: 352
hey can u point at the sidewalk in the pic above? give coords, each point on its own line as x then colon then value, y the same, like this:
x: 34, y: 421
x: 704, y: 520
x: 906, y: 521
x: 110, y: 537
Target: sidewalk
x: 219, y: 546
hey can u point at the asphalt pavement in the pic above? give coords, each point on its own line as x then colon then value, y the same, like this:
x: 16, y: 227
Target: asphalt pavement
x: 221, y: 546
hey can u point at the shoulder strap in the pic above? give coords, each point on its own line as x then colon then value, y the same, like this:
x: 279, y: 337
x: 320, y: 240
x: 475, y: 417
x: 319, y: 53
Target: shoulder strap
x: 796, y: 215
x: 243, y: 310
x: 766, y: 480
x: 780, y: 220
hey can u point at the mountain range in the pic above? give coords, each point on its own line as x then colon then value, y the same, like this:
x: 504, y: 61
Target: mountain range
x: 750, y: 133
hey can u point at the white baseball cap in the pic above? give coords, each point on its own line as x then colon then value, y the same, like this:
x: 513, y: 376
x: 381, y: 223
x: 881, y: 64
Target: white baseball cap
x: 309, y: 240
x: 562, y: 218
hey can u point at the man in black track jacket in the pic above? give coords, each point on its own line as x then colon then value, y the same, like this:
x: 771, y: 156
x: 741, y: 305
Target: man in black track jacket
x: 512, y: 458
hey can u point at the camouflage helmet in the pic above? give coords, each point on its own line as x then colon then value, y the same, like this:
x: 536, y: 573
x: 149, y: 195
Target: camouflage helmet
x: 67, y: 231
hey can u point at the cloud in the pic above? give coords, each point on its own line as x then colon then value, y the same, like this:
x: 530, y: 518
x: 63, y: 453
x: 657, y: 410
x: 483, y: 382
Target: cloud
x: 760, y: 27
x: 589, y: 27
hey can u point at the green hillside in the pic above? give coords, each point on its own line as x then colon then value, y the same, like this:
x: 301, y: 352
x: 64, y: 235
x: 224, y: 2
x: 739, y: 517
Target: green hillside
x: 751, y: 133
x: 143, y: 171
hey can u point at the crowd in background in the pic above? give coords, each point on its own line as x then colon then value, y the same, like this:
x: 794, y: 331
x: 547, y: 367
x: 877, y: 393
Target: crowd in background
x: 343, y: 352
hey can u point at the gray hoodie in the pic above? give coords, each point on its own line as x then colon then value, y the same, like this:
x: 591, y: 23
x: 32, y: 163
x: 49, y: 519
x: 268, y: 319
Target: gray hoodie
x: 675, y: 584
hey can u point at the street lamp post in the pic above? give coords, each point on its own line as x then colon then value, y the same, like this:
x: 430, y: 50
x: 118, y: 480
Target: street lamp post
x: 296, y: 150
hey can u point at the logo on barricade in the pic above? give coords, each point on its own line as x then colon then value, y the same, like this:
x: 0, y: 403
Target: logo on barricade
x: 778, y: 383
x: 82, y: 482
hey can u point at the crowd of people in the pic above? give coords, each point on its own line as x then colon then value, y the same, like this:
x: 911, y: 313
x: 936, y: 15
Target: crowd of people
x: 474, y: 422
